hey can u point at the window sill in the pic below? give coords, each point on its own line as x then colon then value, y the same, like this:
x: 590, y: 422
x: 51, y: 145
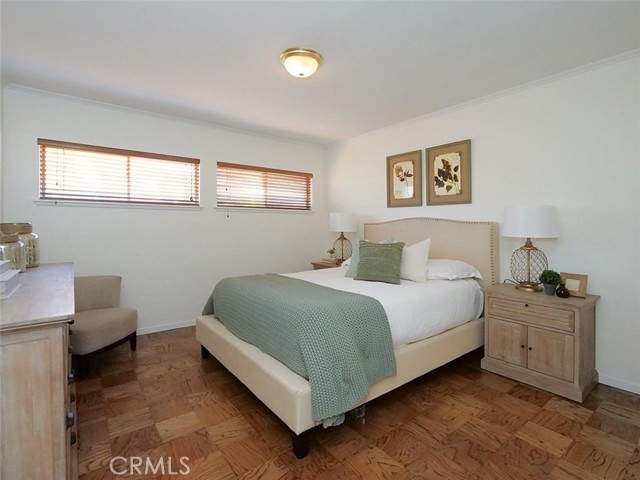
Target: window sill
x: 262, y: 210
x: 72, y: 203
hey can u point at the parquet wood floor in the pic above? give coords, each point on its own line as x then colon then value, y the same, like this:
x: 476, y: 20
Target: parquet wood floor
x: 458, y: 422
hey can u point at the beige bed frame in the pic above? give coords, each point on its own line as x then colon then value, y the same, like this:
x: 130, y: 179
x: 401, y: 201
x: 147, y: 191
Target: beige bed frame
x: 289, y: 396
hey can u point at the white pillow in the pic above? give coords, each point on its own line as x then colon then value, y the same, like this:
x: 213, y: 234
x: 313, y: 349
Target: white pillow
x: 414, y: 261
x: 443, y: 269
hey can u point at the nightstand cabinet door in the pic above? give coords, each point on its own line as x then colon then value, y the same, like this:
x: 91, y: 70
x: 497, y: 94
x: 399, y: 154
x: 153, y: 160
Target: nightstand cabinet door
x: 508, y: 341
x: 542, y: 340
x: 550, y: 353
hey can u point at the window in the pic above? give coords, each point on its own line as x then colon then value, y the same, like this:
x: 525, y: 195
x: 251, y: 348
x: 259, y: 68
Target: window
x: 73, y: 171
x: 256, y: 187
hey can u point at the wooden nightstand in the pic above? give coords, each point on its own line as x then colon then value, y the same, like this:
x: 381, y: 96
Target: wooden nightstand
x: 541, y: 340
x: 321, y: 265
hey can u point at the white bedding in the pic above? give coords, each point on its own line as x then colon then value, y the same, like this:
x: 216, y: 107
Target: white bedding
x: 415, y: 310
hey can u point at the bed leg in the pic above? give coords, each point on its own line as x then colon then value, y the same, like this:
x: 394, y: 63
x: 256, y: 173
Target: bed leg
x: 300, y: 444
x: 204, y: 353
x: 359, y: 413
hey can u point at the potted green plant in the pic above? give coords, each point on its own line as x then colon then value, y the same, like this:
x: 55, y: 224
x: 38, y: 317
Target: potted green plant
x: 550, y: 279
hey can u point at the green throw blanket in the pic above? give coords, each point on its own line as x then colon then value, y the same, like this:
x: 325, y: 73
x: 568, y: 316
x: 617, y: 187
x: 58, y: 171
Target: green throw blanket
x: 339, y: 341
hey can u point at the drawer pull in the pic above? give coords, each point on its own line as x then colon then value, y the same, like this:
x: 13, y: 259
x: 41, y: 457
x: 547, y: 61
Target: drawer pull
x: 74, y: 438
x: 530, y: 348
x: 526, y: 304
x: 71, y: 418
x: 71, y: 377
x: 521, y: 346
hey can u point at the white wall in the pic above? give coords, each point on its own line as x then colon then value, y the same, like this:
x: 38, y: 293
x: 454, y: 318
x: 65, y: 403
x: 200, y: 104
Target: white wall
x: 574, y: 143
x: 170, y: 258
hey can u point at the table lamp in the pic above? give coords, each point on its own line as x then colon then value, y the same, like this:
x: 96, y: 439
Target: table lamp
x: 528, y: 262
x: 342, y: 222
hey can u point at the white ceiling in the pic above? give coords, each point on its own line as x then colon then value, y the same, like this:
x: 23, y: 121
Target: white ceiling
x: 385, y: 61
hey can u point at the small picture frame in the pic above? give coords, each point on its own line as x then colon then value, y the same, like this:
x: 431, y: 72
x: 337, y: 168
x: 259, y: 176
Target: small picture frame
x: 576, y: 283
x: 404, y: 179
x: 449, y: 173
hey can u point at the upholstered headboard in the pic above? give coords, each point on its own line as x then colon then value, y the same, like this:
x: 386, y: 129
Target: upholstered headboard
x: 473, y: 242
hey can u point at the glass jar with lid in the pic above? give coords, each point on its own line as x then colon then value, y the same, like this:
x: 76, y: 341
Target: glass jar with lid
x: 12, y: 249
x: 28, y: 238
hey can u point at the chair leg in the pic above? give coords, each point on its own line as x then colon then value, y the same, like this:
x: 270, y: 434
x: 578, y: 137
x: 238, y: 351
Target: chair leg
x: 133, y: 341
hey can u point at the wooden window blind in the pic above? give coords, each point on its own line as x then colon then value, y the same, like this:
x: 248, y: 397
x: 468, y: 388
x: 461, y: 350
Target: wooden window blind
x: 74, y: 171
x: 247, y: 186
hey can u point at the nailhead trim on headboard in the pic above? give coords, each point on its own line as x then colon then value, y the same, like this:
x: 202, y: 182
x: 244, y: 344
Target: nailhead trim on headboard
x: 488, y: 236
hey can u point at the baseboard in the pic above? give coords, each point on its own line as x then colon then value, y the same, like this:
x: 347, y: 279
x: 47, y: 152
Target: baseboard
x: 166, y: 326
x: 621, y: 384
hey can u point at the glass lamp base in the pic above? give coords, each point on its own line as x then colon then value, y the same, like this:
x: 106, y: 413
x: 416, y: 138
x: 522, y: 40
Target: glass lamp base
x: 527, y: 263
x: 342, y: 247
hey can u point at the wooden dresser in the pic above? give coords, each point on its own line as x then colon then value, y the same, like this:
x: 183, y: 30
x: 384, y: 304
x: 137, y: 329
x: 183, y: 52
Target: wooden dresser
x: 37, y: 397
x: 542, y: 340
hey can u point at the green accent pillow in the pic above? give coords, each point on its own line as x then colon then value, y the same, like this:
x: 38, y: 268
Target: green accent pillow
x: 380, y: 262
x: 355, y: 258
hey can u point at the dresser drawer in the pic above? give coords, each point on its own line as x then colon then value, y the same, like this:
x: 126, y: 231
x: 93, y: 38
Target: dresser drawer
x: 531, y: 314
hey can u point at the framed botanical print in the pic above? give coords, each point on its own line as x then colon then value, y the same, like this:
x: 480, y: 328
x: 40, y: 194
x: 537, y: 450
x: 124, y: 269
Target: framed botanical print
x: 449, y: 173
x: 404, y: 179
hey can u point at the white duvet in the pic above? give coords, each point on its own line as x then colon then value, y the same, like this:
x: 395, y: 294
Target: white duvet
x: 415, y: 310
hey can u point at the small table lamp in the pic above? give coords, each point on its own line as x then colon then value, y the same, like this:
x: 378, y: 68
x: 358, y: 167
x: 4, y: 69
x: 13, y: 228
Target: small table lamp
x: 342, y: 222
x: 527, y: 262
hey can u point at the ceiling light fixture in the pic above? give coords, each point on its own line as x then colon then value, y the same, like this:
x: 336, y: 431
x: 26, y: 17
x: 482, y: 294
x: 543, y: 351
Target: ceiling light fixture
x: 301, y: 62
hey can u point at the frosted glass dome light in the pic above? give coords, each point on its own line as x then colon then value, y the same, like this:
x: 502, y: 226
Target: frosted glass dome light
x: 301, y: 62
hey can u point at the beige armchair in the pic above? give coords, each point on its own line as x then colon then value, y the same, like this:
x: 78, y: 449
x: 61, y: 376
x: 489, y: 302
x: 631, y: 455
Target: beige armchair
x: 100, y: 322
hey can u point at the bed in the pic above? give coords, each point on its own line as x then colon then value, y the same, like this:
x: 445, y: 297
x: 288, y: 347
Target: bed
x: 288, y: 395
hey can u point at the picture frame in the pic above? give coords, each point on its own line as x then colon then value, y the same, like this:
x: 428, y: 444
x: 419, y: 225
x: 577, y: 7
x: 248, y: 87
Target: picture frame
x: 449, y: 173
x: 404, y: 179
x: 576, y: 283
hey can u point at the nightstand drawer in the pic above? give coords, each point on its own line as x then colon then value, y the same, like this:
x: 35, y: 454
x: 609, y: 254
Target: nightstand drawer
x: 531, y: 313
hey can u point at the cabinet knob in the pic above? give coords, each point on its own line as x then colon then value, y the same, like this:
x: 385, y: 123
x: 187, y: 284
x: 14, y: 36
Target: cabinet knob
x: 71, y: 418
x: 521, y: 346
x: 526, y: 304
x: 530, y: 348
x: 74, y: 438
x: 70, y: 377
